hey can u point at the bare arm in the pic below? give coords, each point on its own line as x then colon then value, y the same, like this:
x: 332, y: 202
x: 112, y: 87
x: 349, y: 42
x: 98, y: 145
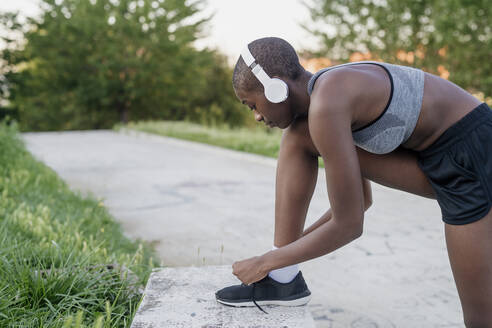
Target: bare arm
x: 330, y: 128
x: 297, y: 172
x: 317, y: 234
x: 366, y: 185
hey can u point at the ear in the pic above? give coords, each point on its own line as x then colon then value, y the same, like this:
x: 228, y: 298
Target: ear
x: 276, y: 91
x: 286, y: 80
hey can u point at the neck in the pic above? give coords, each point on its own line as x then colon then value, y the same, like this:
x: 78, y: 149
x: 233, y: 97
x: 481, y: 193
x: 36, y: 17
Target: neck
x: 301, y: 99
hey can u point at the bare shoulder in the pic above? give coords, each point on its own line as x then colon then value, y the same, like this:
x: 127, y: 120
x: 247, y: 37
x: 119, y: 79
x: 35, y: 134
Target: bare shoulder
x: 333, y: 93
x: 350, y: 92
x: 340, y: 86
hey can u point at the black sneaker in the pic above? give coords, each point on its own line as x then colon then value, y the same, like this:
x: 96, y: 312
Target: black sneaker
x: 266, y: 292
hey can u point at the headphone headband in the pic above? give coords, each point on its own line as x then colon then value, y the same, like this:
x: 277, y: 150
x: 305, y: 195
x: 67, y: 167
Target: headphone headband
x: 247, y: 56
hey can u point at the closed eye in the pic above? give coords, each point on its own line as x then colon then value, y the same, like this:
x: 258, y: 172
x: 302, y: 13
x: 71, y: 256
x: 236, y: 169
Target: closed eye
x: 250, y: 107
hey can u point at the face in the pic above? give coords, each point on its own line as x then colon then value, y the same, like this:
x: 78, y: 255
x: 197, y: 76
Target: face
x: 279, y: 115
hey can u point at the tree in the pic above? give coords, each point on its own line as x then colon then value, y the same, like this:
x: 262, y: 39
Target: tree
x: 435, y: 35
x: 90, y: 63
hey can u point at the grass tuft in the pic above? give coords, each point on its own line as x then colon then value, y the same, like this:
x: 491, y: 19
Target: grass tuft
x: 64, y: 261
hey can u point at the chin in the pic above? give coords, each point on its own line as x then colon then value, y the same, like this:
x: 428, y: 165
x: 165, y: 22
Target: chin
x: 283, y: 125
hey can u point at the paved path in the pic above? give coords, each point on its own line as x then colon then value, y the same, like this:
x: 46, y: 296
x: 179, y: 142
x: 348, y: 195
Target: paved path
x: 204, y: 205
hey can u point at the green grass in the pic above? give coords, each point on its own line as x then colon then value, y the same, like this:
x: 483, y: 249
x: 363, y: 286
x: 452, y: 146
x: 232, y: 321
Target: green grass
x: 54, y: 245
x: 258, y: 140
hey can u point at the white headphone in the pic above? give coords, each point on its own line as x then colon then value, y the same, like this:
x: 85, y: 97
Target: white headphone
x: 276, y: 90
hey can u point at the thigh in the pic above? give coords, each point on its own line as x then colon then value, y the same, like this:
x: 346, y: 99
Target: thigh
x: 470, y: 255
x: 398, y: 169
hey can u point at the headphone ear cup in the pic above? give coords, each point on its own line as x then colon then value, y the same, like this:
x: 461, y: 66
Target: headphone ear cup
x: 276, y: 90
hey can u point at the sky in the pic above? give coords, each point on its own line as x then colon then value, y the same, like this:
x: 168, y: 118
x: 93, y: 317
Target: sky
x: 235, y: 23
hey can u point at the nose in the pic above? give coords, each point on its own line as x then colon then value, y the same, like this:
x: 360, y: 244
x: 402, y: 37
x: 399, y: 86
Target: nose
x: 258, y: 117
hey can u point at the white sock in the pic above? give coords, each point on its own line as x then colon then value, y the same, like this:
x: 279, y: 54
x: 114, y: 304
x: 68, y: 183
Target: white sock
x: 285, y: 274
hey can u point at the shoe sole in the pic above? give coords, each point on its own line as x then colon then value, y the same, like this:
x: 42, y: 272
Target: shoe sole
x: 296, y: 302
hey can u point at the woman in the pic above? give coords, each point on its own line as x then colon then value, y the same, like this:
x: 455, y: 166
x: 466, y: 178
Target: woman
x: 391, y: 124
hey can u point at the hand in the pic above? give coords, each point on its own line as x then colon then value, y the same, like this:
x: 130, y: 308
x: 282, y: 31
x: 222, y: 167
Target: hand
x: 250, y: 270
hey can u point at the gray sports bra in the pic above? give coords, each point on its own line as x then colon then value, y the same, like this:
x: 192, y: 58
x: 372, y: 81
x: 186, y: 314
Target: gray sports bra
x: 398, y: 119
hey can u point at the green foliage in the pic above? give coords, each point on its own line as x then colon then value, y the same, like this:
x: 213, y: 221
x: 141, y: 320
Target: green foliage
x: 54, y: 250
x: 89, y: 64
x: 455, y: 34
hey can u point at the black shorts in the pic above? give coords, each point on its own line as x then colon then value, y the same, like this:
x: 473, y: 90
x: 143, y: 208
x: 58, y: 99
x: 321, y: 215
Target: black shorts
x: 459, y: 167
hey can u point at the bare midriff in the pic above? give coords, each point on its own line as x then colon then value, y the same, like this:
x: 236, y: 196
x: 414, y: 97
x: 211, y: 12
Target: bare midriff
x: 444, y: 103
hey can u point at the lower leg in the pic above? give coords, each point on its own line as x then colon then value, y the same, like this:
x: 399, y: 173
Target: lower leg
x: 470, y: 256
x: 285, y: 274
x: 294, y: 187
x: 296, y: 180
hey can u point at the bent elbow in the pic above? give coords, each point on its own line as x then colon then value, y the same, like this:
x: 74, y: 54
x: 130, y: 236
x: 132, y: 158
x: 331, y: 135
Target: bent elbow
x: 351, y: 228
x: 357, y: 228
x: 357, y: 232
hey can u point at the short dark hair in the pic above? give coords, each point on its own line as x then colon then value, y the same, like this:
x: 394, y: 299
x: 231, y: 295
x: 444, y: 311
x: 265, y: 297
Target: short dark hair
x: 275, y: 55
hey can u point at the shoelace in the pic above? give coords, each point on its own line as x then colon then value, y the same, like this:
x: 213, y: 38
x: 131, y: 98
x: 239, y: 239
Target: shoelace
x: 254, y: 301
